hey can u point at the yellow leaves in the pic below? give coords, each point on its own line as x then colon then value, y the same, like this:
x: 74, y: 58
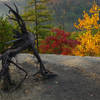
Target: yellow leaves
x: 90, y: 45
x: 94, y: 8
x: 89, y: 22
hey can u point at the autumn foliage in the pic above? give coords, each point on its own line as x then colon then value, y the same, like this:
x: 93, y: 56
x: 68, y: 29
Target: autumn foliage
x: 89, y: 41
x: 89, y: 21
x: 90, y: 45
x: 60, y: 43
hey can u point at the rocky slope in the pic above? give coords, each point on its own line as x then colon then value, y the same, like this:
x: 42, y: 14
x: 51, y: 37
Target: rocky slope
x: 78, y: 79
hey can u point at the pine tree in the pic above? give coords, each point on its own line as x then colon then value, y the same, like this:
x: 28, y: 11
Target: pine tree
x: 39, y: 17
x: 6, y: 33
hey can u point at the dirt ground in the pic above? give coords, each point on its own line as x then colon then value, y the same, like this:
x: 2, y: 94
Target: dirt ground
x: 77, y: 79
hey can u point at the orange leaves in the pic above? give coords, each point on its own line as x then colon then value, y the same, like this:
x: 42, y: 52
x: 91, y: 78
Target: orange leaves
x: 89, y: 22
x: 90, y: 45
x: 94, y: 8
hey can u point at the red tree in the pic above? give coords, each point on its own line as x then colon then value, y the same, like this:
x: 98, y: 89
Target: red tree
x: 60, y: 43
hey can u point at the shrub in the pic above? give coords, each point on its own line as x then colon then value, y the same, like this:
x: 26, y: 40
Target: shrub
x: 89, y: 21
x: 60, y: 43
x: 90, y: 45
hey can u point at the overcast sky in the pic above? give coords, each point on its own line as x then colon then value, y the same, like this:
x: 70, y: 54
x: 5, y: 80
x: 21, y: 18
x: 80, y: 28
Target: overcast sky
x: 8, y: 0
x: 4, y: 0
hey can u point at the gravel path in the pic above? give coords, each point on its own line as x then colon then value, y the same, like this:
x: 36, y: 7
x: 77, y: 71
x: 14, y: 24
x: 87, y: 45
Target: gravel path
x: 78, y: 79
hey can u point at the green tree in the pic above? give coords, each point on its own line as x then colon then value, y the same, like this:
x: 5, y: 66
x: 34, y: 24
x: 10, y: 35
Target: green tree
x: 39, y: 17
x: 5, y: 33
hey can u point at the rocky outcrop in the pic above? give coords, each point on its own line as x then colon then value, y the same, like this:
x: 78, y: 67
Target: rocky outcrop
x: 78, y: 78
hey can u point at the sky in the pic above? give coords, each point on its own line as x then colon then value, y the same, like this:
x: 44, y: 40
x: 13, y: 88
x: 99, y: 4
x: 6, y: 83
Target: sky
x: 3, y: 9
x: 4, y: 0
x: 19, y: 3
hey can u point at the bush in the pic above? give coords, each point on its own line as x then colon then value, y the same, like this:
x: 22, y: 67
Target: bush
x: 90, y: 45
x: 90, y: 21
x: 60, y: 43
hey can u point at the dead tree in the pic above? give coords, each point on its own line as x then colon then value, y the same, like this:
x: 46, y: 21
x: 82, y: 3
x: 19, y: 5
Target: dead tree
x: 24, y: 40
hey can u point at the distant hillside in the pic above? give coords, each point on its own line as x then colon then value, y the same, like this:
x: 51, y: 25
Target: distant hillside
x: 66, y: 11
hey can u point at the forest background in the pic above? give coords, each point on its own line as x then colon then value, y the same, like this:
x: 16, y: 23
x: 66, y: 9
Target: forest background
x: 70, y: 28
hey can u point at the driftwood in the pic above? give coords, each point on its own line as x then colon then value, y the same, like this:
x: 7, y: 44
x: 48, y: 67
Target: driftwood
x: 24, y: 40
